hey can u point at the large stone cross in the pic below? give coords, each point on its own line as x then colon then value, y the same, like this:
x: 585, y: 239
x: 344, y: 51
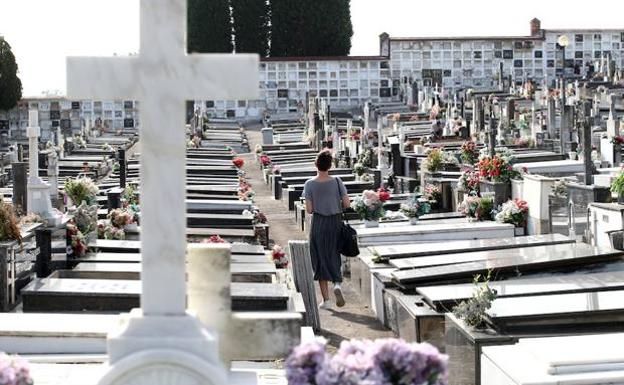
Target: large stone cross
x: 163, y: 77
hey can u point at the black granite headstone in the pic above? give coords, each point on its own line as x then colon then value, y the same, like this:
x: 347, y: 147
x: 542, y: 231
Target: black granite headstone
x: 19, y: 171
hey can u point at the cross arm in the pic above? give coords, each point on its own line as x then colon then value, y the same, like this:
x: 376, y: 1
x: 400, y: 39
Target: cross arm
x: 102, y: 77
x: 221, y: 77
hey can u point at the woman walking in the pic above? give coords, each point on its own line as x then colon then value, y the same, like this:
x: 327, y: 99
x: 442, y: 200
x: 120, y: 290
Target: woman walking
x: 325, y: 198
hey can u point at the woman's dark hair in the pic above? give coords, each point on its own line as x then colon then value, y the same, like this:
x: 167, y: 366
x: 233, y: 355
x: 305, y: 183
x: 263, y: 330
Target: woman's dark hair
x: 324, y: 160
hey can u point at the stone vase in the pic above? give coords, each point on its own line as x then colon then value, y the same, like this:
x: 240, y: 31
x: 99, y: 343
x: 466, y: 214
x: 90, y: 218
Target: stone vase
x: 621, y: 199
x: 371, y: 224
x: 501, y: 191
x: 413, y: 221
x: 519, y: 231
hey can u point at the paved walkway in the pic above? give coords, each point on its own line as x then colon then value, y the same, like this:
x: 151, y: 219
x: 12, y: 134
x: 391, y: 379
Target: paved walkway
x: 356, y: 319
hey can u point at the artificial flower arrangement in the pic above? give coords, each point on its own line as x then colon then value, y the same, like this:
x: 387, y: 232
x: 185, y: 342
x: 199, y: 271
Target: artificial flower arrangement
x: 85, y: 218
x: 415, y: 208
x: 78, y: 244
x: 469, y: 153
x: 384, y: 195
x: 355, y: 135
x: 258, y: 149
x: 265, y: 160
x: 469, y: 182
x: 9, y: 225
x: 14, y: 371
x: 279, y: 257
x: 359, y: 169
x: 81, y: 190
x: 514, y: 211
x: 365, y: 158
x: 258, y: 216
x: 472, y: 311
x: 80, y: 142
x: 238, y: 162
x: 107, y: 147
x: 379, y: 362
x: 30, y: 219
x: 368, y: 206
x: 434, y: 161
x: 120, y: 217
x: 479, y: 208
x: 214, y: 239
x: 432, y: 194
x: 496, y: 169
x: 108, y: 231
x: 245, y: 192
x: 617, y: 140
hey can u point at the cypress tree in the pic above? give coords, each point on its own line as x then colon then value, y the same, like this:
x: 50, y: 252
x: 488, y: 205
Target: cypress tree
x: 310, y: 28
x: 10, y: 83
x: 251, y: 26
x: 209, y: 26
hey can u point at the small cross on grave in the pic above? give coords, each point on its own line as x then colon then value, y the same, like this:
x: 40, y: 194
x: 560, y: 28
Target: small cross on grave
x: 163, y: 342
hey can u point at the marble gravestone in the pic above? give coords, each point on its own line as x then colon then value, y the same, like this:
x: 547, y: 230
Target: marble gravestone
x: 38, y: 191
x: 162, y: 78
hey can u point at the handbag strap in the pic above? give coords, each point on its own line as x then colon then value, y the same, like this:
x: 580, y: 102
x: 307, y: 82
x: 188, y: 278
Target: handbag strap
x: 344, y: 218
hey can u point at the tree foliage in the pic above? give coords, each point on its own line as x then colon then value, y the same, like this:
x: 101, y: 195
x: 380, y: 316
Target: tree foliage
x: 209, y: 26
x: 310, y: 28
x: 251, y: 26
x: 10, y: 83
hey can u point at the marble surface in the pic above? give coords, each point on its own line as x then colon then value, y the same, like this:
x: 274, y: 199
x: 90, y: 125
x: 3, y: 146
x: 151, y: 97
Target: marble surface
x: 430, y: 248
x: 446, y: 296
x: 56, y: 325
x: 563, y: 256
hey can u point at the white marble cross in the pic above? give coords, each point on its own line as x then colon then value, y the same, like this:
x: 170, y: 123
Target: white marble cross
x: 163, y: 77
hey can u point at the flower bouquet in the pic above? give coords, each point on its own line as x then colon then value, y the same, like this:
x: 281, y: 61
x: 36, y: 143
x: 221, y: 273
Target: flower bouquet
x: 9, y: 225
x: 78, y: 244
x: 279, y: 257
x: 265, y: 160
x: 414, y: 209
x: 469, y: 153
x: 514, y: 211
x: 121, y: 218
x: 14, y: 371
x: 359, y: 169
x: 434, y: 161
x: 258, y: 149
x: 469, y: 183
x: 85, y: 218
x: 214, y: 239
x: 108, y: 231
x: 617, y: 140
x: 238, y: 162
x: 479, y: 208
x: 496, y: 169
x: 432, y: 194
x: 81, y: 189
x: 107, y: 147
x: 383, y: 361
x: 369, y: 207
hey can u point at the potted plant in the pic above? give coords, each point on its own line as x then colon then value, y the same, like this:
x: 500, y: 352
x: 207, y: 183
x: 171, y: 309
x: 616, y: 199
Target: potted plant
x: 469, y: 153
x: 514, y: 211
x: 384, y: 361
x: 279, y: 257
x: 80, y: 190
x: 434, y: 161
x: 359, y: 169
x: 414, y: 209
x: 617, y: 186
x: 433, y: 194
x: 477, y: 208
x: 369, y: 208
x: 472, y: 311
x: 496, y: 174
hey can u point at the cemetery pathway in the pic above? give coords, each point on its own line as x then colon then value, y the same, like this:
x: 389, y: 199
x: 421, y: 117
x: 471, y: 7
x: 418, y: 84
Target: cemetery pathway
x: 355, y: 319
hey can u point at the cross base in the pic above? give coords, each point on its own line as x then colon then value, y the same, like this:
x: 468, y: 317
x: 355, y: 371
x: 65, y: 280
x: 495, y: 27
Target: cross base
x: 39, y: 201
x: 167, y: 350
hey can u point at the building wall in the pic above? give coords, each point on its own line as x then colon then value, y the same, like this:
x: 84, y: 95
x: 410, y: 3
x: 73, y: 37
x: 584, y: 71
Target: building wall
x: 475, y: 62
x: 69, y: 115
x: 284, y: 84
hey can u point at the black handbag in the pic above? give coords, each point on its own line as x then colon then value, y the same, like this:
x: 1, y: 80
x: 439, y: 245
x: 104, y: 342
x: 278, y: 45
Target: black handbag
x: 347, y: 236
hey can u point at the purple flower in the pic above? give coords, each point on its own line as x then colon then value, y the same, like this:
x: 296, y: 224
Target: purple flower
x: 402, y: 363
x: 305, y: 361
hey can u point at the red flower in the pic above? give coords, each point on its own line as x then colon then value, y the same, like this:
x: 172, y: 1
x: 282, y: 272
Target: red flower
x: 383, y: 195
x: 238, y: 162
x: 265, y: 160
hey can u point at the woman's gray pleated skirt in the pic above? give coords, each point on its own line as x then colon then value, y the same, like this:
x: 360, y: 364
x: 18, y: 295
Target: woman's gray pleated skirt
x: 326, y: 260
